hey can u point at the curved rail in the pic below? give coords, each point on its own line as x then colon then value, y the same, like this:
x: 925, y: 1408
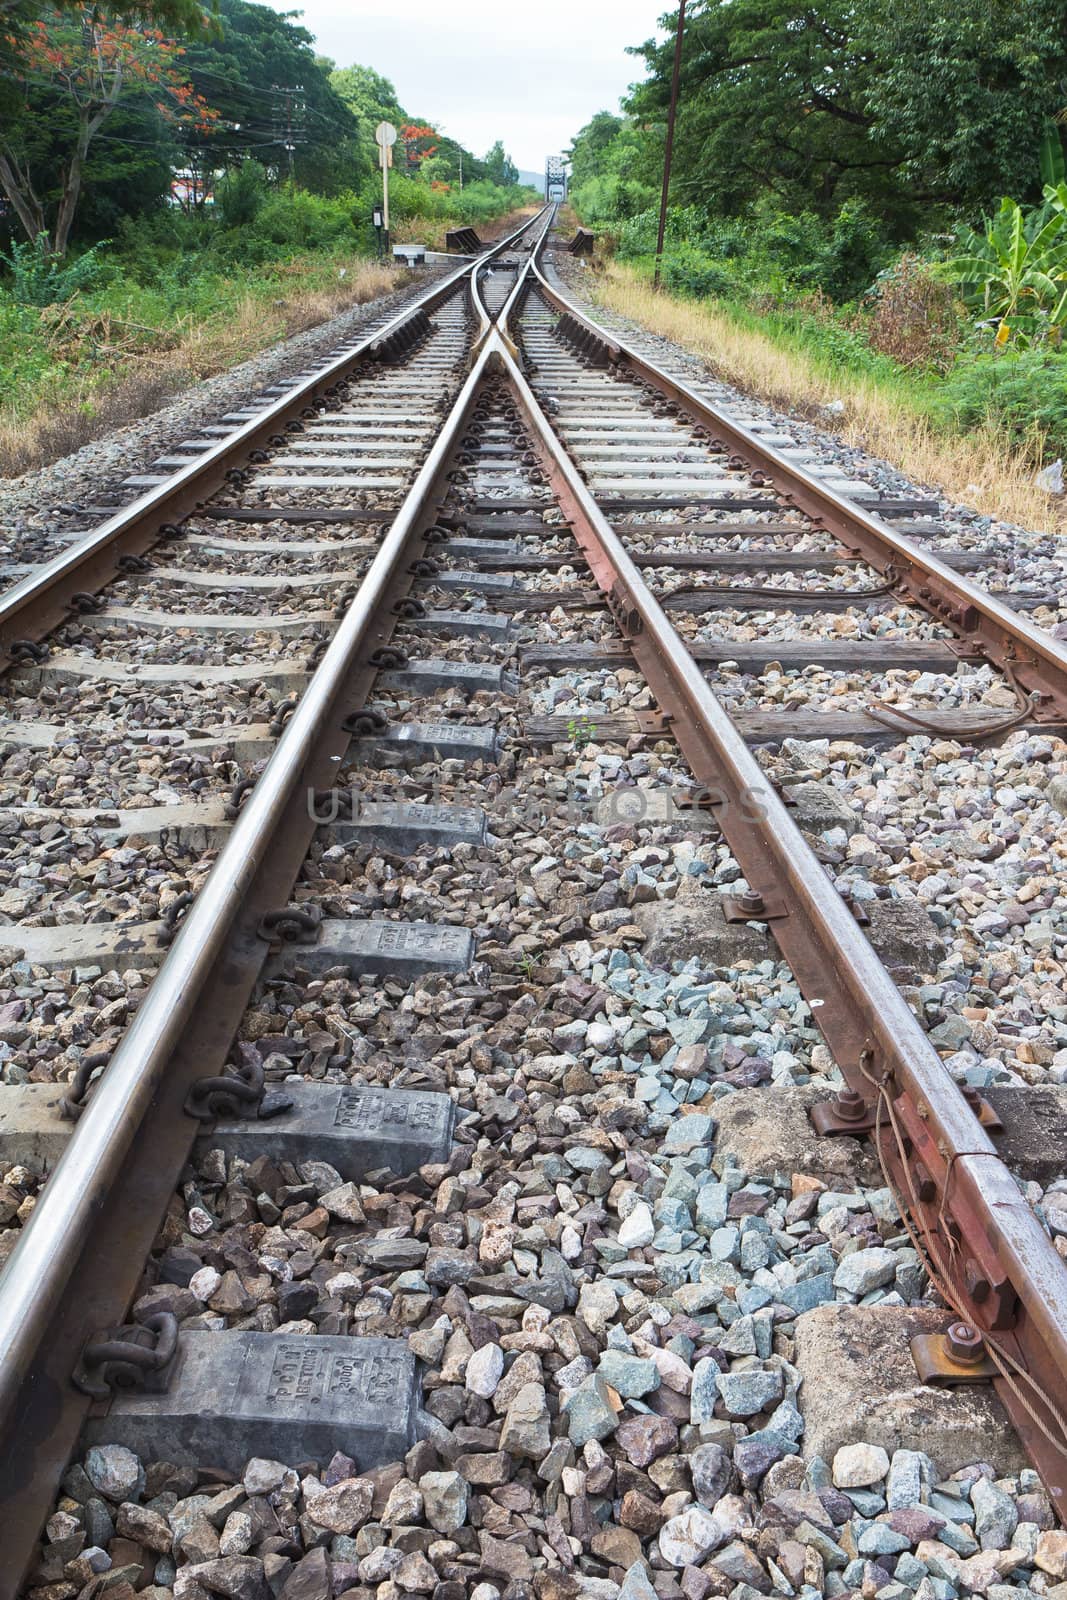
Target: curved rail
x: 1007, y: 637
x: 135, y: 1135
x: 41, y: 601
x: 487, y: 320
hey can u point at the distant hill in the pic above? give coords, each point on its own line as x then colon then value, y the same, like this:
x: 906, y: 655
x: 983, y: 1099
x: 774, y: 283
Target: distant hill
x: 536, y: 180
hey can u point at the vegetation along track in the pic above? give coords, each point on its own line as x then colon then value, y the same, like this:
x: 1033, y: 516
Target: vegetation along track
x: 478, y: 438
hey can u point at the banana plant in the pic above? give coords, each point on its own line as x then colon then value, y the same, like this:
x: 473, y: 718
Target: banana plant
x: 1050, y: 157
x: 1016, y: 271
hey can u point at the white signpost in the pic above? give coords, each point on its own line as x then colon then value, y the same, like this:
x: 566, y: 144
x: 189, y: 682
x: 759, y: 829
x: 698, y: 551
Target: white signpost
x: 385, y: 134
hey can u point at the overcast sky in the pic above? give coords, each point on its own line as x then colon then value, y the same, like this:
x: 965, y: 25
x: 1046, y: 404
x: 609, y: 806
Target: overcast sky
x: 493, y: 69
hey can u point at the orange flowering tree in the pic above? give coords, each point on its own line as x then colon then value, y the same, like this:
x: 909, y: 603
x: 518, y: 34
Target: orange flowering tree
x: 420, y: 141
x: 86, y: 62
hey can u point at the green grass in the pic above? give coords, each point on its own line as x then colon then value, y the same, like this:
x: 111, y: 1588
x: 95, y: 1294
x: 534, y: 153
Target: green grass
x: 174, y: 298
x: 1022, y: 393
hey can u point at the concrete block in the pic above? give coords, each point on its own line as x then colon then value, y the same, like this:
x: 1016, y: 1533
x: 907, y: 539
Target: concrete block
x: 355, y: 1128
x: 859, y: 1385
x: 899, y: 930
x: 460, y: 578
x: 469, y: 624
x: 678, y: 932
x: 904, y: 936
x: 651, y: 808
x: 425, y: 741
x: 420, y: 676
x: 1034, y: 1141
x: 402, y: 826
x: 769, y: 1131
x: 231, y: 1396
x: 395, y: 949
x: 817, y: 807
x: 33, y: 1132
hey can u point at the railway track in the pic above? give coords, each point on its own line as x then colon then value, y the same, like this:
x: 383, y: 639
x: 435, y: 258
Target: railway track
x: 364, y: 717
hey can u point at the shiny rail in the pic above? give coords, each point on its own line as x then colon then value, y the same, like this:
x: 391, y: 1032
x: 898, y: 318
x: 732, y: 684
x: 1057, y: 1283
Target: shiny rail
x: 76, y: 1265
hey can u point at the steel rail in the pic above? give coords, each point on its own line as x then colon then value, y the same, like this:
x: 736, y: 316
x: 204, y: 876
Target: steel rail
x: 42, y: 600
x: 79, y: 1257
x: 875, y: 1037
x: 487, y: 320
x: 1006, y: 637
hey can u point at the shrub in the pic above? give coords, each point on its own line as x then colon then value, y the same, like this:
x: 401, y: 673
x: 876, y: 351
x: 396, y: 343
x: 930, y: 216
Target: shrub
x: 1024, y: 394
x: 914, y: 315
x: 39, y: 279
x: 1016, y: 271
x: 690, y: 272
x: 684, y: 225
x: 855, y: 252
x: 241, y: 195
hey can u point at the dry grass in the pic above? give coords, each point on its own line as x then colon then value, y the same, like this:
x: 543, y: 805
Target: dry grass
x: 431, y: 231
x: 978, y: 468
x: 130, y: 375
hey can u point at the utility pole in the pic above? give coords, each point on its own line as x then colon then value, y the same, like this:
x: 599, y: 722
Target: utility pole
x: 669, y: 151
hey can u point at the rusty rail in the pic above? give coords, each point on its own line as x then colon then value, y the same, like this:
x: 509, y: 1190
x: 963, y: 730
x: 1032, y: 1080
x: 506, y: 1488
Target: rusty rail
x: 986, y: 1250
x: 47, y: 597
x: 1026, y: 653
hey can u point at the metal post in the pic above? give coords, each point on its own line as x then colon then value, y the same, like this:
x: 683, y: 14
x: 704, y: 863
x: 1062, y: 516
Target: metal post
x: 385, y: 194
x: 668, y: 152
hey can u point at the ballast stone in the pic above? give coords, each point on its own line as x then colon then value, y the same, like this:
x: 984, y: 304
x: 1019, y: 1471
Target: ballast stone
x: 231, y: 1396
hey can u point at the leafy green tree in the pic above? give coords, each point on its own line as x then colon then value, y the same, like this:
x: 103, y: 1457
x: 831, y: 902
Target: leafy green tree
x: 275, y: 104
x: 369, y: 97
x: 591, y: 145
x: 773, y: 99
x: 178, y: 16
x: 964, y: 91
x: 499, y: 167
x: 906, y: 104
x: 614, y: 168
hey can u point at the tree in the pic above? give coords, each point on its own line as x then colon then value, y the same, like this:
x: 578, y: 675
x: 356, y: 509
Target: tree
x: 275, y: 103
x: 615, y: 168
x: 906, y: 104
x: 964, y: 91
x: 82, y: 65
x: 418, y: 140
x: 180, y: 16
x: 773, y: 98
x: 499, y: 167
x: 590, y: 147
x: 370, y: 97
